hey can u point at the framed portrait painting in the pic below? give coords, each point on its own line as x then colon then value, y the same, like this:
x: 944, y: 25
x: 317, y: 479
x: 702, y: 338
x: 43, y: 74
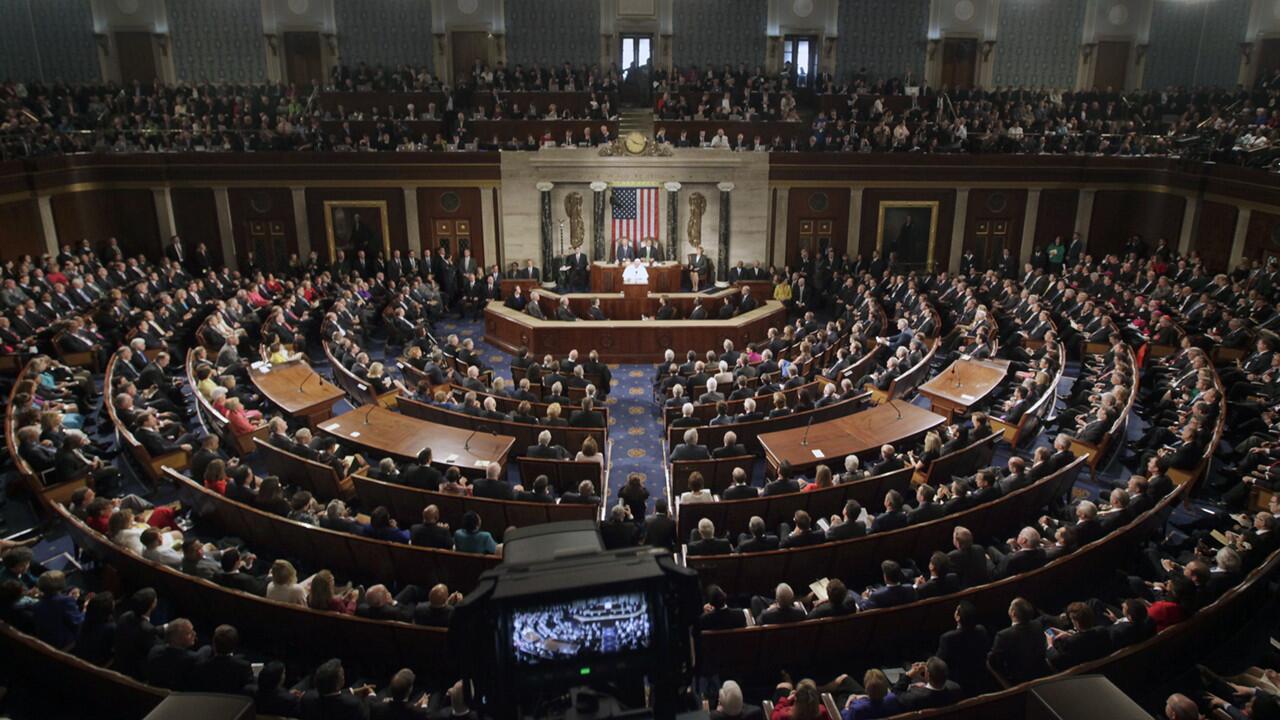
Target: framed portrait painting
x: 354, y: 225
x: 908, y: 230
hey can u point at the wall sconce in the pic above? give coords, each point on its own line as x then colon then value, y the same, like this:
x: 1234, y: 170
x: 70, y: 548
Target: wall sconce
x: 987, y: 47
x: 932, y: 46
x: 104, y: 42
x: 1140, y: 52
x: 1086, y: 51
x: 1246, y: 50
x: 162, y: 42
x: 273, y: 43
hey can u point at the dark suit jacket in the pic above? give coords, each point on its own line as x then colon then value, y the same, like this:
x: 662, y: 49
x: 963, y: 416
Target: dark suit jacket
x: 690, y: 452
x: 713, y: 546
x: 172, y: 667
x: 223, y: 674
x: 660, y: 531
x: 436, y: 536
x: 1075, y: 648
x: 965, y: 652
x: 493, y: 489
x: 1018, y: 652
x: 972, y: 566
x: 890, y: 596
x: 725, y: 618
x: 739, y: 492
x: 735, y: 450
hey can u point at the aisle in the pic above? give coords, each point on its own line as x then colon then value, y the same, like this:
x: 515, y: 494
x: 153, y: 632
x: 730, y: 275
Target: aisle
x: 635, y: 427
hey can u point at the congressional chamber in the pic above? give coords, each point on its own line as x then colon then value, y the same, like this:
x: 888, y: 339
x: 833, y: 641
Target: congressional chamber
x: 759, y: 359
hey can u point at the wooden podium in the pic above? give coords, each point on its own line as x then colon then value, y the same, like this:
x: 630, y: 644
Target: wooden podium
x: 635, y: 291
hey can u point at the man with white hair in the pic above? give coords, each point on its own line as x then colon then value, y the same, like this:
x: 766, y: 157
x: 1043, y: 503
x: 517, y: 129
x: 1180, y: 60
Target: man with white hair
x: 852, y: 469
x: 690, y: 449
x: 1026, y: 553
x: 784, y: 608
x: 544, y: 450
x: 730, y: 703
x: 707, y: 543
x: 686, y: 419
x: 711, y: 397
x: 730, y: 448
x: 749, y: 412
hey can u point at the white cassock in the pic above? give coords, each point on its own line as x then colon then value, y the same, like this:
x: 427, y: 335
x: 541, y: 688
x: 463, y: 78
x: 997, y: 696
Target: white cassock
x: 635, y: 274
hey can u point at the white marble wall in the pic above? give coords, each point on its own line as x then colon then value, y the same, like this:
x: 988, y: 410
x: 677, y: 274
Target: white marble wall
x: 695, y: 169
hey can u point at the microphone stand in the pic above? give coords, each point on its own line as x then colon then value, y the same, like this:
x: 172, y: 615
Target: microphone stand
x: 805, y: 439
x: 304, y: 382
x: 894, y: 405
x: 466, y: 444
x: 369, y: 412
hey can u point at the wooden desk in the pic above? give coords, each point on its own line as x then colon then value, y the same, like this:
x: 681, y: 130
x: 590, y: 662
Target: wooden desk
x: 861, y: 433
x: 964, y: 384
x: 393, y: 434
x: 628, y: 341
x: 664, y: 277
x: 298, y: 390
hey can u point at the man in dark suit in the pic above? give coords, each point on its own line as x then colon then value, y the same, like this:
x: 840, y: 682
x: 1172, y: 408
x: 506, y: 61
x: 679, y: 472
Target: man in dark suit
x: 889, y: 461
x: 849, y: 525
x: 1025, y: 554
x: 784, y: 608
x: 330, y: 697
x: 544, y: 450
x: 431, y: 532
x: 563, y: 312
x: 587, y: 417
x: 707, y: 543
x: 223, y: 671
x: 619, y: 531
x: 538, y: 492
x: 578, y: 269
x: 969, y: 560
x: 659, y: 528
x: 172, y: 664
x: 492, y: 485
x: 135, y: 635
x: 803, y: 534
x: 965, y: 648
x: 757, y: 538
x: 927, y: 685
x: 690, y: 449
x: 1017, y: 653
x: 783, y: 483
x: 1086, y: 641
x: 716, y: 613
x: 739, y: 488
x: 892, y: 593
x: 893, y: 517
x: 731, y: 447
x: 422, y: 475
x: 528, y: 272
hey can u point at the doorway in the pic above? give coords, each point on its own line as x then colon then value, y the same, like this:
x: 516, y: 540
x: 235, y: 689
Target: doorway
x: 800, y: 53
x: 136, y: 54
x: 1112, y: 70
x: 1268, y: 61
x: 466, y: 47
x: 268, y: 243
x: 992, y: 237
x: 455, y: 236
x: 302, y: 61
x: 815, y: 236
x: 959, y: 62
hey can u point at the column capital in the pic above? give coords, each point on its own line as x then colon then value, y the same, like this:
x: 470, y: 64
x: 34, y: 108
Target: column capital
x: 724, y: 186
x: 598, y: 186
x: 672, y: 186
x: 545, y: 186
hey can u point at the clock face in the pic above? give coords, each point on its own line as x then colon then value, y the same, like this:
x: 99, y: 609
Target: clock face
x: 635, y: 143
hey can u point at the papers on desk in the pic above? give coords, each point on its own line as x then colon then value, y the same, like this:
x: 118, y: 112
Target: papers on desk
x: 355, y: 433
x: 967, y: 396
x: 332, y: 426
x: 261, y: 366
x: 1222, y: 539
x: 818, y: 453
x: 819, y: 588
x: 482, y: 463
x: 823, y: 524
x: 451, y: 459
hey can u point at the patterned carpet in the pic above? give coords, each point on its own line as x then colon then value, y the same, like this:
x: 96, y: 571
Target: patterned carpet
x: 635, y: 426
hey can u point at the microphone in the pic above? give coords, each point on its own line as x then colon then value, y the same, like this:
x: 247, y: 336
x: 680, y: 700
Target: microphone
x: 369, y: 412
x: 805, y: 439
x: 953, y: 375
x: 466, y: 444
x: 304, y: 382
x: 894, y: 405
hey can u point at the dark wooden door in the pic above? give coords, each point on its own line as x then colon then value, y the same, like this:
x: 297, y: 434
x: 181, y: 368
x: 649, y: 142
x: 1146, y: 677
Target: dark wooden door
x: 992, y: 236
x: 959, y: 62
x: 302, y: 62
x: 1268, y: 59
x: 467, y: 47
x: 455, y: 236
x: 1113, y: 65
x: 136, y: 54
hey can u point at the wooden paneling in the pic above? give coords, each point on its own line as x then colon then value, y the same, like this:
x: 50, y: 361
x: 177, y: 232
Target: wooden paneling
x: 816, y: 212
x: 20, y: 230
x: 195, y: 217
x: 393, y: 197
x: 1056, y: 216
x: 871, y: 200
x: 1112, y: 58
x: 1215, y: 233
x: 268, y: 209
x: 959, y: 62
x: 989, y: 213
x: 127, y: 215
x: 449, y: 206
x: 1263, y: 236
x: 1117, y: 214
x: 136, y: 53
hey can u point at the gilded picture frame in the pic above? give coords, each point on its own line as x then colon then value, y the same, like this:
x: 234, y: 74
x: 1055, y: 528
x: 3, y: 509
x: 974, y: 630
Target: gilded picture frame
x: 892, y: 216
x: 339, y: 218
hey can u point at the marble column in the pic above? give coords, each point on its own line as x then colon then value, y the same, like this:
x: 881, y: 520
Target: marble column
x: 673, y: 220
x: 598, y: 251
x: 547, y: 234
x: 1238, y: 239
x: 47, y: 225
x: 1029, y: 219
x: 300, y: 221
x: 226, y: 236
x: 722, y: 261
x: 1084, y: 216
x: 412, y: 229
x: 164, y: 214
x: 957, y: 232
x: 1190, y: 217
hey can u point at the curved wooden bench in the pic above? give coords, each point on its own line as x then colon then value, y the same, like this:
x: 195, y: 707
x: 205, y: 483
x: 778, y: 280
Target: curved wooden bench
x: 563, y: 475
x: 355, y: 388
x: 525, y: 434
x: 754, y: 651
x: 732, y: 516
x: 320, y: 479
x: 1098, y: 453
x: 27, y: 476
x: 214, y: 421
x: 152, y: 467
x: 1028, y: 426
x: 343, y: 553
x: 713, y: 435
x: 717, y: 474
x: 860, y: 557
x: 965, y: 461
x: 406, y: 505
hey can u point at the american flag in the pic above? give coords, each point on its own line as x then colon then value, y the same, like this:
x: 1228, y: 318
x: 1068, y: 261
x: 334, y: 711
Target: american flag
x: 635, y: 214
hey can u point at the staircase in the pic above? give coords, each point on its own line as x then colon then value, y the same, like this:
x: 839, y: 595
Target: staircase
x: 636, y: 120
